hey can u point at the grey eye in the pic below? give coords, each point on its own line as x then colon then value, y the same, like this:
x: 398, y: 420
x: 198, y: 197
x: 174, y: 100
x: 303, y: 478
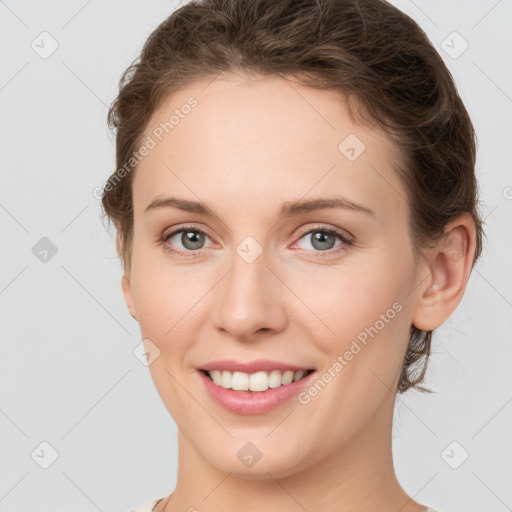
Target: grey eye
x: 322, y: 240
x: 190, y: 239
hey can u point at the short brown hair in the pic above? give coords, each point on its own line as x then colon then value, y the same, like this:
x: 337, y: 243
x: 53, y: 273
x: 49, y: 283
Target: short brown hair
x: 377, y: 57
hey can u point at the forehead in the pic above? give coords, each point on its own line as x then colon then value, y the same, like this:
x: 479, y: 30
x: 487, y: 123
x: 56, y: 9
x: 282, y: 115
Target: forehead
x: 264, y: 137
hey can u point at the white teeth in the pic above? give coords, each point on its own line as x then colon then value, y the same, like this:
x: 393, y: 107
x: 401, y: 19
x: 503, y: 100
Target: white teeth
x: 287, y: 377
x: 274, y: 379
x: 259, y: 381
x: 240, y: 381
x: 225, y: 380
x: 216, y: 377
x: 298, y: 375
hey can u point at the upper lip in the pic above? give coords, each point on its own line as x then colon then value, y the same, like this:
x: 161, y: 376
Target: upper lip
x: 252, y: 366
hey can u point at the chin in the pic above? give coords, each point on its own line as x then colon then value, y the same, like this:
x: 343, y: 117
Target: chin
x: 248, y: 463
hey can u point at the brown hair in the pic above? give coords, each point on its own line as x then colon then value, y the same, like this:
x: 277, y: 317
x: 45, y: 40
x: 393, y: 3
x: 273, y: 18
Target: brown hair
x: 377, y: 57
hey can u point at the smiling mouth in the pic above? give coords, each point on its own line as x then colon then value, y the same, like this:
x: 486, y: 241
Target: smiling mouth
x: 256, y: 382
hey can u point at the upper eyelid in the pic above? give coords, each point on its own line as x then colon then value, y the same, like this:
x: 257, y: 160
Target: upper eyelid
x: 185, y: 227
x: 326, y: 227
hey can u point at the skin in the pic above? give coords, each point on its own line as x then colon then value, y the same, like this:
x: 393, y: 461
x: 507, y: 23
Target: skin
x: 249, y: 145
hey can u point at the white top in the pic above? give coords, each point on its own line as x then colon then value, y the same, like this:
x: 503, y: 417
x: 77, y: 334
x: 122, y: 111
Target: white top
x: 148, y: 507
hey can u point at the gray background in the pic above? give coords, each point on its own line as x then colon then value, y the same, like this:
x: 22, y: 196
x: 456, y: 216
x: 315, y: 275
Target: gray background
x: 68, y: 373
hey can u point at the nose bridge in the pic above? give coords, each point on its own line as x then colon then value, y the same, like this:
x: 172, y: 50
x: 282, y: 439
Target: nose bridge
x: 248, y: 300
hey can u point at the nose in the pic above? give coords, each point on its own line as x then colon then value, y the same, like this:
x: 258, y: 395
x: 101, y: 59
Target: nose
x: 250, y: 300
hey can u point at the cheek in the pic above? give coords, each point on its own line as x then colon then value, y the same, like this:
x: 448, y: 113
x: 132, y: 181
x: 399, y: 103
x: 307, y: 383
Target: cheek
x: 362, y: 305
x: 167, y: 311
x: 165, y: 295
x: 369, y: 315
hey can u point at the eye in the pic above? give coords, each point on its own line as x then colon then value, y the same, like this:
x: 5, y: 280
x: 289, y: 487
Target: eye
x: 187, y: 239
x: 323, y: 238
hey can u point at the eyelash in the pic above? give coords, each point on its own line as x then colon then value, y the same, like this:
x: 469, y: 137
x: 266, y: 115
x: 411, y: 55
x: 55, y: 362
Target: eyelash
x: 322, y: 228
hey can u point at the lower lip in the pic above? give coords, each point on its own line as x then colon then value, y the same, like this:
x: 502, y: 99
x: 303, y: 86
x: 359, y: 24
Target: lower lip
x: 253, y: 402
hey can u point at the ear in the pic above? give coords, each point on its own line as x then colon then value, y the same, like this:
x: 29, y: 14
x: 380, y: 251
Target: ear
x: 127, y: 292
x: 125, y: 282
x: 449, y: 267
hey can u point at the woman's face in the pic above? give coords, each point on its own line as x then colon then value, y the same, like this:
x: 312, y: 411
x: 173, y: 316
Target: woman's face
x: 261, y: 278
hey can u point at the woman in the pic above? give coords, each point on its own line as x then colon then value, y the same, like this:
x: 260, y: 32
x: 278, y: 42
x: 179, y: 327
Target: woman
x: 296, y: 212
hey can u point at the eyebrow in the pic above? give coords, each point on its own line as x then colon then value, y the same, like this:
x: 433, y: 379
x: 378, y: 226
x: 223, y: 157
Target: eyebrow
x: 287, y: 209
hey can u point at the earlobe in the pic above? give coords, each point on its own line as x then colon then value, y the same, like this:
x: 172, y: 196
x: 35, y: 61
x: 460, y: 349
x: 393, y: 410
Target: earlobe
x: 127, y: 292
x: 450, y: 265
